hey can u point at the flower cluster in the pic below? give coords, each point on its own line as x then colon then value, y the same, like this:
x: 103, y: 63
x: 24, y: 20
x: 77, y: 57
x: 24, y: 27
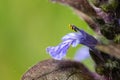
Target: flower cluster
x: 72, y: 39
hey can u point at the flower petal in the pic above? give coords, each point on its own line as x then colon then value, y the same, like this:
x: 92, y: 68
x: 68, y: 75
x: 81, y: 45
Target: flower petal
x: 82, y: 54
x: 88, y: 40
x: 75, y: 37
x: 58, y: 52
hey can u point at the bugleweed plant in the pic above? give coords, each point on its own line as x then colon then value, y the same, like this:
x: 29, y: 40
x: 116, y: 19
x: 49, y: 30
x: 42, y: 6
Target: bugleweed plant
x: 103, y: 17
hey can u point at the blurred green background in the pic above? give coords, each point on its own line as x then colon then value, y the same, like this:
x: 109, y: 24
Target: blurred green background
x: 27, y: 27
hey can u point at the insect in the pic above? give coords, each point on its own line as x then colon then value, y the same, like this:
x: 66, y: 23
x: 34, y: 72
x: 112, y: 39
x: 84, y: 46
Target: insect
x: 73, y: 27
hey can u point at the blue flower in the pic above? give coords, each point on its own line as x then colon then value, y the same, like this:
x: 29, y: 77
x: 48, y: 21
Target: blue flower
x: 79, y: 37
x: 82, y: 54
x: 58, y: 52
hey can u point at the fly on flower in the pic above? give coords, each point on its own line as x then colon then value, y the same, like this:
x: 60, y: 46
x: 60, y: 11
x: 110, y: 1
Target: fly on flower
x: 71, y: 39
x: 73, y: 27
